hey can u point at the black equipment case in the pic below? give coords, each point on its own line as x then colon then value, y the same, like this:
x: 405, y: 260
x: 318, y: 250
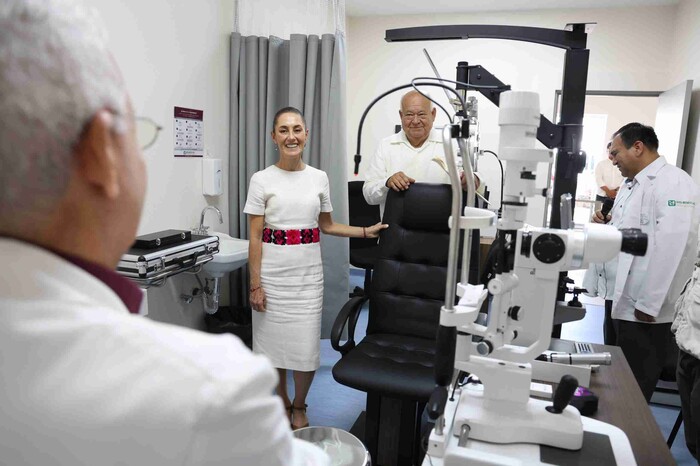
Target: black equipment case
x: 161, y: 238
x: 147, y: 266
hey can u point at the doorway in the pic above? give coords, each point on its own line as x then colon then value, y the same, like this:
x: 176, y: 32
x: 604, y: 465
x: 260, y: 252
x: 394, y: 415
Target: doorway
x: 604, y: 113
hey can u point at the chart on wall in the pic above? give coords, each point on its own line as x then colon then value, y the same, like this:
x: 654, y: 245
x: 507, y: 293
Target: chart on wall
x: 189, y: 132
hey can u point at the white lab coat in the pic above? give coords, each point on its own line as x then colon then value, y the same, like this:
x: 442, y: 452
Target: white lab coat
x: 84, y: 382
x: 664, y: 202
x: 599, y: 279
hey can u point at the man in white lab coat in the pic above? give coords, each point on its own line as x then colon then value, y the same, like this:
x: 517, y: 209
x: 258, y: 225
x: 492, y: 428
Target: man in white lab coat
x: 83, y: 381
x: 664, y: 202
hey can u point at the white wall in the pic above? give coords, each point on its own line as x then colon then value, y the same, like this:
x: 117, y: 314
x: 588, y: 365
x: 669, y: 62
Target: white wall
x: 629, y: 51
x: 622, y: 110
x: 685, y: 64
x: 175, y: 53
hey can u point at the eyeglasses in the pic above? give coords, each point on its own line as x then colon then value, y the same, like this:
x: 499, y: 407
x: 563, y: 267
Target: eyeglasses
x: 146, y: 131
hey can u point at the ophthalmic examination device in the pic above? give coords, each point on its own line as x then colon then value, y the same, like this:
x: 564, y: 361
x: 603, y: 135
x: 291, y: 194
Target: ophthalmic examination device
x: 496, y: 422
x: 479, y: 419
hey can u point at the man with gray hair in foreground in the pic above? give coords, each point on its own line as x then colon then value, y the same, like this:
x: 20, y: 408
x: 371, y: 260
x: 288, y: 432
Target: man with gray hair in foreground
x: 82, y: 381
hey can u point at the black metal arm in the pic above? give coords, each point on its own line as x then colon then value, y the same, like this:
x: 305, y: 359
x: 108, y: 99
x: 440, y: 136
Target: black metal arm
x: 569, y: 40
x: 565, y: 136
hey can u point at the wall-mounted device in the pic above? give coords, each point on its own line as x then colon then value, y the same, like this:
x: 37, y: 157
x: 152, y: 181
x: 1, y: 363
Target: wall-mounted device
x: 212, y: 177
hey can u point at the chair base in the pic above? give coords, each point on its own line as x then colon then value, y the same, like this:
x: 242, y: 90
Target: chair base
x: 666, y: 393
x: 390, y: 429
x: 358, y: 428
x: 674, y: 431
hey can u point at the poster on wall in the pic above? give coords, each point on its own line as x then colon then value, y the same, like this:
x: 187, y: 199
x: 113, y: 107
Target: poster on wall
x: 189, y: 132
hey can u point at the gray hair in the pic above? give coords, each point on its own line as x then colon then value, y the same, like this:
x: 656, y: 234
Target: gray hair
x: 55, y: 74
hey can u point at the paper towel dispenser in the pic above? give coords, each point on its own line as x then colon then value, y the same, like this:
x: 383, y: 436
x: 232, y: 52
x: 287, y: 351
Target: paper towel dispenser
x: 212, y: 177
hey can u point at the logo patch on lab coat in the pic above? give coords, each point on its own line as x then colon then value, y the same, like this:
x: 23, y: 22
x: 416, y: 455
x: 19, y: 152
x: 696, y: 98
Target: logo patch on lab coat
x: 674, y: 203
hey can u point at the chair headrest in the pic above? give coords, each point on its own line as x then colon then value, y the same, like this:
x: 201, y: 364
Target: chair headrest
x: 424, y: 206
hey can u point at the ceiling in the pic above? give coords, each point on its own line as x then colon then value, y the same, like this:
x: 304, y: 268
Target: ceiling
x: 409, y: 7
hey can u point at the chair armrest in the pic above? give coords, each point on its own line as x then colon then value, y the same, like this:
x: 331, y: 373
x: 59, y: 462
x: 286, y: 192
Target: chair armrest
x: 348, y: 314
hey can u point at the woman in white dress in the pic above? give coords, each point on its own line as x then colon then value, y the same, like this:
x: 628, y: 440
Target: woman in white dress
x: 288, y: 203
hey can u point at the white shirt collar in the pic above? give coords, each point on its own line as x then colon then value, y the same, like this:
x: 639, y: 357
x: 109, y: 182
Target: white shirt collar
x: 650, y: 171
x: 401, y: 138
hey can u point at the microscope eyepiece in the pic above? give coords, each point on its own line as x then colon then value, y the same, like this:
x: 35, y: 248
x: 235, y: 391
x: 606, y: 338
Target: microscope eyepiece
x: 634, y: 241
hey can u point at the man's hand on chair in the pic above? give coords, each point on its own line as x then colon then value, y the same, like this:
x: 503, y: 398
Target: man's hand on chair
x: 399, y: 181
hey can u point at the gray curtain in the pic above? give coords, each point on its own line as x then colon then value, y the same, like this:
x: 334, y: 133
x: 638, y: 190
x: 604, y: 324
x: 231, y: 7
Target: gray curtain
x: 306, y: 72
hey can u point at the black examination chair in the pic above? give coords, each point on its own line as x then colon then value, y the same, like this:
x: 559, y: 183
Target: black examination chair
x: 394, y: 362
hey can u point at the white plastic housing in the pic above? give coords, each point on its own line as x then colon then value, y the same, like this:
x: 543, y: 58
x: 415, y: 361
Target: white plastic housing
x: 602, y: 243
x: 212, y: 177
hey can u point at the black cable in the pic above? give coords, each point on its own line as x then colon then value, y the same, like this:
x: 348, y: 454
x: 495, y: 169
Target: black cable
x: 454, y: 387
x: 398, y: 88
x: 364, y: 115
x: 473, y: 86
x: 362, y: 121
x: 475, y: 381
x: 449, y: 117
x: 503, y: 176
x: 425, y: 439
x: 431, y: 78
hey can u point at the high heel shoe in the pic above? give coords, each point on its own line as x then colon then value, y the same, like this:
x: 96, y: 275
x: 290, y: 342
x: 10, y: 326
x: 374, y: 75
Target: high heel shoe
x: 295, y: 408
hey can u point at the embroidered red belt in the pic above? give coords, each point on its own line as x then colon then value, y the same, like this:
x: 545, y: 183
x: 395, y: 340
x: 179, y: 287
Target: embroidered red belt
x: 289, y: 237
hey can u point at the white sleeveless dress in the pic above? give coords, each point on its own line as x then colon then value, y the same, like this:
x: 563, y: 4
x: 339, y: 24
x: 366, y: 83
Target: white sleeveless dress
x: 289, y: 331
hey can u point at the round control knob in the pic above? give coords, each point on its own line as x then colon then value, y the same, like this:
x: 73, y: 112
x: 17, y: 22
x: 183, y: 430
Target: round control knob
x: 548, y: 248
x: 515, y: 312
x: 484, y: 347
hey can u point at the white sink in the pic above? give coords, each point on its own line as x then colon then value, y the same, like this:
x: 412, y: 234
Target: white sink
x: 233, y: 254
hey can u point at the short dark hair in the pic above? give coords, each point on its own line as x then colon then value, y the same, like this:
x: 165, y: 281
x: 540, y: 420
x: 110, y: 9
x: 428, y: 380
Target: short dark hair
x: 284, y: 110
x: 633, y: 132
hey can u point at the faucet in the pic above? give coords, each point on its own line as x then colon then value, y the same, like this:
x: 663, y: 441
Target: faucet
x: 202, y: 230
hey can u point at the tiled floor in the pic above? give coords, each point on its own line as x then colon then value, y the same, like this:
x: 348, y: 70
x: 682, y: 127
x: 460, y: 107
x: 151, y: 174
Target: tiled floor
x: 332, y: 404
